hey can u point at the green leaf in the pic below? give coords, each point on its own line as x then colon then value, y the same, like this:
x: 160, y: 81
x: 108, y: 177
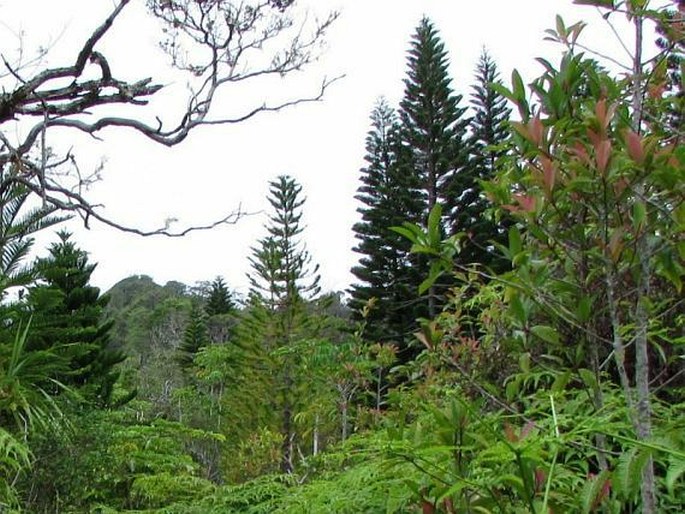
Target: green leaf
x: 589, y: 379
x: 675, y: 471
x: 628, y: 474
x: 519, y: 92
x: 546, y: 333
x: 639, y: 214
x: 502, y: 90
x: 435, y: 271
x: 584, y: 308
x: 408, y: 231
x: 515, y: 245
x: 512, y: 389
x: 518, y: 87
x: 434, y: 225
x: 638, y: 4
x: 517, y: 309
x: 524, y: 362
x: 561, y: 381
x: 455, y: 488
x: 590, y: 495
x: 670, y: 268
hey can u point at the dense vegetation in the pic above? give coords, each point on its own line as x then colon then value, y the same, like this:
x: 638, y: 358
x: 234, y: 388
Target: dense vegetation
x: 513, y: 343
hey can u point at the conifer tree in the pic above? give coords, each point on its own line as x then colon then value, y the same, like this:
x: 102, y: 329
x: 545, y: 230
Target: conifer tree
x: 195, y: 336
x: 489, y: 125
x: 489, y: 134
x: 219, y: 299
x: 434, y: 129
x: 221, y: 312
x: 68, y: 317
x: 283, y: 281
x: 386, y: 274
x: 284, y: 274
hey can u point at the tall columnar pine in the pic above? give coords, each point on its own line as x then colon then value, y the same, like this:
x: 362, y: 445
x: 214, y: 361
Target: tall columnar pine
x: 283, y: 281
x: 195, y: 336
x: 386, y: 275
x: 68, y: 317
x: 284, y: 275
x: 488, y: 141
x: 434, y: 129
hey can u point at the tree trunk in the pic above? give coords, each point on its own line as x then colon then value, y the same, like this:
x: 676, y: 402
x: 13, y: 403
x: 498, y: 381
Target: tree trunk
x: 643, y: 250
x: 315, y: 442
x: 287, y: 428
x: 343, y: 412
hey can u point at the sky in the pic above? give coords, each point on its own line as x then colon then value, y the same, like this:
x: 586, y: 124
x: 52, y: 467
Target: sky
x: 218, y: 169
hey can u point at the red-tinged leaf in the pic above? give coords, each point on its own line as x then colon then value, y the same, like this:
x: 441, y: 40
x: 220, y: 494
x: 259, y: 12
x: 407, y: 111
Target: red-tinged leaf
x: 603, y: 492
x: 605, y: 113
x: 606, y: 488
x: 601, y: 113
x: 635, y: 147
x: 575, y: 31
x: 509, y: 433
x: 602, y: 155
x: 620, y: 186
x: 656, y: 91
x: 548, y: 173
x: 536, y: 130
x: 594, y: 137
x: 526, y: 202
x: 427, y: 508
x: 540, y: 479
x: 581, y: 152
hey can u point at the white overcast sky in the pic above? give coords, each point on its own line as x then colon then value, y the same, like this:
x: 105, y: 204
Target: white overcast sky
x: 321, y: 145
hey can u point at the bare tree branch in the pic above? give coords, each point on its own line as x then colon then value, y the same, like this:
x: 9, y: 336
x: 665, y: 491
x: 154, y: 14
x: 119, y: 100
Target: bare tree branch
x: 214, y: 42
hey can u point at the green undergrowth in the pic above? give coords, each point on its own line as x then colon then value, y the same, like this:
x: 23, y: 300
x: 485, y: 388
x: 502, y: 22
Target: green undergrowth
x: 350, y: 478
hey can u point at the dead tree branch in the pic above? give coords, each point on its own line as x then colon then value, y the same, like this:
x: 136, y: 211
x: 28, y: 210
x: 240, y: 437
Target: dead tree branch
x: 214, y: 42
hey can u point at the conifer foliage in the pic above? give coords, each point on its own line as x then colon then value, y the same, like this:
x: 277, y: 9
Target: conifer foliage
x: 68, y: 317
x: 434, y: 129
x: 283, y: 267
x: 195, y: 336
x: 489, y: 125
x: 414, y: 162
x: 283, y: 282
x: 385, y: 275
x: 488, y: 144
x: 433, y: 121
x: 219, y: 300
x: 221, y: 310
